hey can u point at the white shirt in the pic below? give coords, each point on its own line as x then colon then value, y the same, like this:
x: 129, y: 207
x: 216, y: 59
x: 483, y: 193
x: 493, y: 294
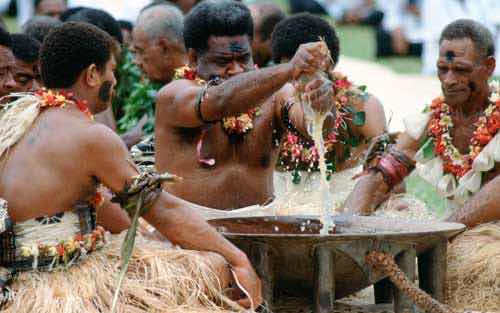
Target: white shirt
x: 396, y: 15
x: 436, y: 14
x: 120, y: 9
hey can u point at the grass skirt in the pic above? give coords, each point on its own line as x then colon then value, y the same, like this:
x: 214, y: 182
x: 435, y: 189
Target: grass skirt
x: 159, y: 280
x: 473, y: 281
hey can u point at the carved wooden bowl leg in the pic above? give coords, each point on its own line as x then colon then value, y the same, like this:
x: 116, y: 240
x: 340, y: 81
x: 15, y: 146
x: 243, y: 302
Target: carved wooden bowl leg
x: 324, y: 276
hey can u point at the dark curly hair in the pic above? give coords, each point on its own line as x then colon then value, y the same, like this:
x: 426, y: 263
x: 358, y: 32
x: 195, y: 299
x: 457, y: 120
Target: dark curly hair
x: 302, y: 28
x: 25, y: 48
x: 475, y: 31
x: 99, y: 18
x: 71, y: 48
x: 5, y: 38
x: 216, y: 18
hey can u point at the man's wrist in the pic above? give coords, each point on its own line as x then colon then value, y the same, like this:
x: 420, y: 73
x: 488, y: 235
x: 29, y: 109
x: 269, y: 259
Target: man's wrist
x: 238, y: 258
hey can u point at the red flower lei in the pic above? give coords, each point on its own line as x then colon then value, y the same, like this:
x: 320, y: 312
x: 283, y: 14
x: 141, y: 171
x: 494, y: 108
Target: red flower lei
x: 439, y: 128
x: 59, y: 99
x: 234, y: 125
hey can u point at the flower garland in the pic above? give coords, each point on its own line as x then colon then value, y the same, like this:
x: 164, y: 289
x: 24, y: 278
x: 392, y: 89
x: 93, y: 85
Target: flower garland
x: 59, y: 99
x: 297, y: 155
x: 234, y: 125
x: 66, y: 250
x: 441, y: 124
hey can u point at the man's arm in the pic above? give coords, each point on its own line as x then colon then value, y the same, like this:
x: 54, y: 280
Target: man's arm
x: 483, y: 207
x: 171, y: 216
x: 178, y: 104
x: 372, y: 188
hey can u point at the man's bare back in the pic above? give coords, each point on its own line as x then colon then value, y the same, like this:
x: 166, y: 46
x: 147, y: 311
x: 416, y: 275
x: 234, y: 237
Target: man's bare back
x: 34, y: 173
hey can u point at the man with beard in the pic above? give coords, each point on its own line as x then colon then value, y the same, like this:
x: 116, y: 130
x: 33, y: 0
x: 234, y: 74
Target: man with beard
x: 456, y: 145
x: 7, y: 64
x: 53, y: 157
x: 219, y: 125
x: 265, y: 17
x: 26, y: 73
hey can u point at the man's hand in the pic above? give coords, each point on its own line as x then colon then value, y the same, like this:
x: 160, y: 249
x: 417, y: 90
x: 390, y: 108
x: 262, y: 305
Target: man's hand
x: 247, y: 279
x: 310, y: 58
x: 320, y: 93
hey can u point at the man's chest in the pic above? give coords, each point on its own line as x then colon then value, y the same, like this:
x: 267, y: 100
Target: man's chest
x: 257, y: 146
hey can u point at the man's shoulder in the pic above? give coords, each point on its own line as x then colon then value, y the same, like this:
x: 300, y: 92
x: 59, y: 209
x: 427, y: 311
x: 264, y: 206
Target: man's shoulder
x: 99, y: 138
x: 174, y: 87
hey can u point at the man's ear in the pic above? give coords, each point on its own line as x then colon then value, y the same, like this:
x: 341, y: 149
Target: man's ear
x: 192, y: 58
x: 92, y: 76
x: 164, y: 45
x: 490, y: 65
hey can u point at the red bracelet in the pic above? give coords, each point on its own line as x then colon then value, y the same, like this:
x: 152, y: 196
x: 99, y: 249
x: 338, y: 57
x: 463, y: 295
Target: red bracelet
x: 393, y: 168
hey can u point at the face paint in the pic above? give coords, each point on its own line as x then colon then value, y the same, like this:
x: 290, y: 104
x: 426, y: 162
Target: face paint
x: 450, y: 55
x: 105, y: 91
x: 472, y: 86
x: 235, y: 47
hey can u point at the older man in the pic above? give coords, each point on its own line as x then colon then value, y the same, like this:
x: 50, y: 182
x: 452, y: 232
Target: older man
x: 219, y: 124
x: 158, y: 42
x: 265, y: 17
x: 456, y: 145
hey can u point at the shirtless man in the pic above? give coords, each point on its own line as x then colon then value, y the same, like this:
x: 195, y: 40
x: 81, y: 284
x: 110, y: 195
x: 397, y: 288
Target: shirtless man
x: 456, y: 145
x: 466, y: 62
x: 64, y: 154
x: 228, y: 164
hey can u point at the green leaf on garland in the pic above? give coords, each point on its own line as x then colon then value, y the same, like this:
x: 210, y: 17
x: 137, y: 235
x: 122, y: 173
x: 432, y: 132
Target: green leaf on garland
x: 362, y: 88
x: 428, y: 149
x: 359, y: 118
x: 296, y: 177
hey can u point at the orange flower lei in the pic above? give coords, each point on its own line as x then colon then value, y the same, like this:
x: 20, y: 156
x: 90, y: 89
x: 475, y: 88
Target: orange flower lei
x: 60, y: 99
x: 234, y: 125
x: 441, y: 123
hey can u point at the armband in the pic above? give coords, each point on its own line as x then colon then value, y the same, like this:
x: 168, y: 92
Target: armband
x: 394, y: 167
x: 143, y: 191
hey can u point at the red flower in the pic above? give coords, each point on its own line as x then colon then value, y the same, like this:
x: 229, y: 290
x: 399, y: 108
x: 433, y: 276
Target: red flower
x: 189, y: 74
x: 292, y: 139
x: 343, y: 84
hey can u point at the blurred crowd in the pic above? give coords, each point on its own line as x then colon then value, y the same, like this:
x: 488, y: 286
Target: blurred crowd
x: 401, y: 27
x: 406, y: 27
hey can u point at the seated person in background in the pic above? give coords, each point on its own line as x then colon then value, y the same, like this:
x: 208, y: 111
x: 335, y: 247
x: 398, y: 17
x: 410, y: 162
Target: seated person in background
x: 26, y: 73
x: 360, y: 116
x: 52, y: 8
x: 456, y: 145
x: 401, y: 31
x: 39, y: 26
x: 362, y: 12
x: 265, y: 17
